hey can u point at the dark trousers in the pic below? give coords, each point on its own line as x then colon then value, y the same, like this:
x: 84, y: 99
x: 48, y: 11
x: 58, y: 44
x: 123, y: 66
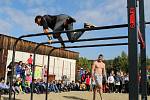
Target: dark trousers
x: 111, y: 87
x: 88, y: 87
x: 60, y: 26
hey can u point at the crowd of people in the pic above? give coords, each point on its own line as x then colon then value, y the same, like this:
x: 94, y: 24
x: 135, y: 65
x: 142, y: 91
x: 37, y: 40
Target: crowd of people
x: 39, y: 86
x: 22, y: 81
x: 111, y: 83
x: 114, y: 83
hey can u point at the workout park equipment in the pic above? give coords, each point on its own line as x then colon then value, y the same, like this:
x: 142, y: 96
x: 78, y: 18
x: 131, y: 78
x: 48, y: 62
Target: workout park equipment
x: 133, y: 33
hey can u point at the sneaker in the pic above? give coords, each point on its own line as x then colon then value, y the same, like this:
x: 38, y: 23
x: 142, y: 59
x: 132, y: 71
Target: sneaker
x: 49, y: 36
x: 88, y: 25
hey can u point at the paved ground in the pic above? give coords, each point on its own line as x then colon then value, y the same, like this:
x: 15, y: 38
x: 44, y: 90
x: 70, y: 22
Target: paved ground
x: 72, y: 96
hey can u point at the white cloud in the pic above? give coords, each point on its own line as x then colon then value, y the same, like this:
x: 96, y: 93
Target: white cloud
x: 5, y: 27
x: 37, y: 3
x: 107, y: 12
x: 20, y: 19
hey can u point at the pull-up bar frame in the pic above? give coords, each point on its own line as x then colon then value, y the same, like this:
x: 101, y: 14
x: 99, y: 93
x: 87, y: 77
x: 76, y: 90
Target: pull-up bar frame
x: 132, y: 43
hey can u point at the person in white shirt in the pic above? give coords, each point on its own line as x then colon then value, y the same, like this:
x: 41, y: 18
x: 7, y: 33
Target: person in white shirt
x: 111, y: 81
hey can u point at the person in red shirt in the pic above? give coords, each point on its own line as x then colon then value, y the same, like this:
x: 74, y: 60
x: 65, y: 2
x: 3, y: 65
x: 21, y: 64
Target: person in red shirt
x: 88, y: 82
x: 30, y: 60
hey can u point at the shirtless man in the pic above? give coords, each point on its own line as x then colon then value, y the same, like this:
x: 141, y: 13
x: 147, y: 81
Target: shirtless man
x: 98, y: 71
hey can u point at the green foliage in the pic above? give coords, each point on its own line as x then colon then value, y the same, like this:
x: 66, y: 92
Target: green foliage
x: 116, y: 64
x: 109, y: 65
x: 84, y: 63
x: 121, y: 62
x: 124, y: 62
x: 148, y: 61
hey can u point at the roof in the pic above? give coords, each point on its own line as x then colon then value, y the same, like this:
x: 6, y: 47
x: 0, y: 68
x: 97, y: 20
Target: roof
x: 7, y: 42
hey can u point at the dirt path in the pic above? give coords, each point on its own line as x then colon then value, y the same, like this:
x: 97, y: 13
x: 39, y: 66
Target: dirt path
x: 74, y: 95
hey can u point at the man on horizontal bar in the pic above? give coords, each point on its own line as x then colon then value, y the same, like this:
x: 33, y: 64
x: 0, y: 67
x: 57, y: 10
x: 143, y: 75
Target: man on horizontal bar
x: 59, y: 23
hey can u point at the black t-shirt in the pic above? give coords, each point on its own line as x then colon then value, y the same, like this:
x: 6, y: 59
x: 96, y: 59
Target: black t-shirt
x: 55, y: 22
x: 48, y: 21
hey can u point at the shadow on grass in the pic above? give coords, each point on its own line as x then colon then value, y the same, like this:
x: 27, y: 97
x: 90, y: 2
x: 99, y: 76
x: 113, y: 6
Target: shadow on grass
x: 73, y: 97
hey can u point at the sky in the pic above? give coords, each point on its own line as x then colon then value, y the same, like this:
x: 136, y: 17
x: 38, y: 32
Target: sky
x: 17, y: 18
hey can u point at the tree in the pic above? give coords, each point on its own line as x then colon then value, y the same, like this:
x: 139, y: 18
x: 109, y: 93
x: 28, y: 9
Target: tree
x: 148, y: 61
x: 109, y: 65
x: 116, y: 64
x: 124, y: 62
x: 84, y: 63
x: 121, y: 63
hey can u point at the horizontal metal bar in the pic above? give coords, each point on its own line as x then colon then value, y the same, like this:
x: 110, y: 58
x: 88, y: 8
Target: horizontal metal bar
x: 83, y: 29
x: 77, y: 30
x: 147, y: 23
x: 97, y: 45
x: 93, y: 39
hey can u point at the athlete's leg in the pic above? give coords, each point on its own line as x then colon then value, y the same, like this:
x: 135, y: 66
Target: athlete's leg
x: 98, y: 80
x: 59, y: 27
x: 73, y: 36
x: 100, y: 91
x: 94, y: 93
x: 61, y: 40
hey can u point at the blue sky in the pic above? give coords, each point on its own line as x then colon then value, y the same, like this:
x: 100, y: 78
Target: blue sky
x: 17, y: 18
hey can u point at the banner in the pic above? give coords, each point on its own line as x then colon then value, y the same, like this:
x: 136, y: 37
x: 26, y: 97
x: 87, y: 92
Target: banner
x: 38, y: 72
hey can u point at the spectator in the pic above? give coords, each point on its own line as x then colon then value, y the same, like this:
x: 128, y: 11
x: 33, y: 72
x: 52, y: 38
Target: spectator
x: 22, y: 74
x: 83, y: 78
x: 77, y: 86
x: 30, y: 61
x: 111, y: 82
x: 27, y: 70
x: 81, y: 72
x: 53, y: 87
x: 29, y: 78
x: 88, y: 82
x: 126, y: 81
x: 117, y: 82
x: 18, y: 69
x: 73, y: 86
x: 59, y: 85
x: 9, y: 71
x: 3, y: 86
x: 82, y: 86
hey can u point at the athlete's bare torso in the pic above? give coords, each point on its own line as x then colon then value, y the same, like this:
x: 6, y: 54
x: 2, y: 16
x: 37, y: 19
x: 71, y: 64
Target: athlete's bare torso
x: 99, y: 67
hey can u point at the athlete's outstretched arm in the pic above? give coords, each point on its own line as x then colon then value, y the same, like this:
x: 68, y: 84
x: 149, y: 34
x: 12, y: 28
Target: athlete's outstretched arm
x: 46, y: 32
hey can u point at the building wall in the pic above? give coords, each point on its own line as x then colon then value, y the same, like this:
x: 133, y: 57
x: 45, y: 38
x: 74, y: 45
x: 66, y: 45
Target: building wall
x: 58, y: 66
x: 3, y: 59
x: 7, y: 43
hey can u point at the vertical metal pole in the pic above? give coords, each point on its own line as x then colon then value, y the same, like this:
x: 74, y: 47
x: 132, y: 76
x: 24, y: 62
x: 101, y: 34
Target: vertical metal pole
x: 33, y: 67
x: 47, y: 78
x: 63, y: 68
x: 33, y: 70
x: 143, y: 52
x: 46, y: 97
x: 132, y: 51
x: 12, y: 72
x: 14, y: 96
